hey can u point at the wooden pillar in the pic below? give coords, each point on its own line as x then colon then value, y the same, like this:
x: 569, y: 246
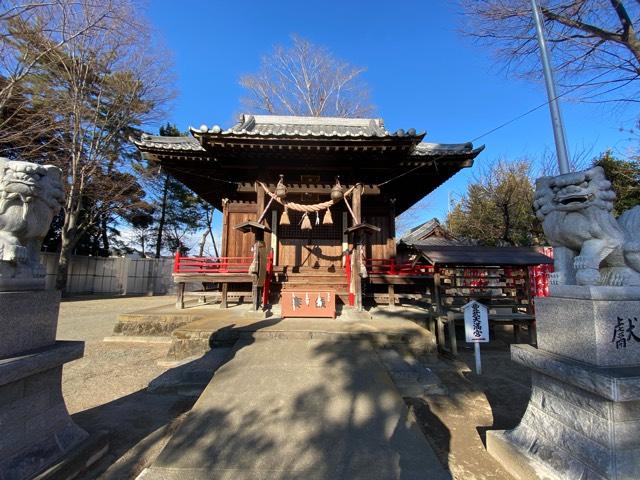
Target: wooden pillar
x: 180, y: 296
x: 274, y: 235
x: 391, y: 247
x: 225, y: 227
x: 258, y: 282
x: 391, y: 242
x: 260, y: 250
x: 345, y: 237
x: 259, y: 201
x: 356, y: 200
x: 223, y: 299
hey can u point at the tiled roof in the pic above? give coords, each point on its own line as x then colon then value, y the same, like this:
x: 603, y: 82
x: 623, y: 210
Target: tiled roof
x: 287, y: 126
x: 425, y: 149
x: 300, y: 128
x: 477, y: 255
x: 423, y: 235
x: 169, y: 143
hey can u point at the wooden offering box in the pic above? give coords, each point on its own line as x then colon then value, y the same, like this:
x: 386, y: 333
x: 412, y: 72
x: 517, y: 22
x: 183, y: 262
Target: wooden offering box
x: 308, y: 303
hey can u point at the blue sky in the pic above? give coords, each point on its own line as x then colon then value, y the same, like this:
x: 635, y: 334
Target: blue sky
x: 421, y: 71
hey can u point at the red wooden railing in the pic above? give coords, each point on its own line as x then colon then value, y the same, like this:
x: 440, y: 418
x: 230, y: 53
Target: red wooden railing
x: 184, y: 264
x: 388, y: 266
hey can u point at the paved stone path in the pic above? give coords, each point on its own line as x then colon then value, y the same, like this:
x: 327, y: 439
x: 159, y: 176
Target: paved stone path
x: 299, y: 409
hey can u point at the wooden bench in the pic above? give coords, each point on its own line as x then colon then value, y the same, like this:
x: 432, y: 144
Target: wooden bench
x: 516, y: 319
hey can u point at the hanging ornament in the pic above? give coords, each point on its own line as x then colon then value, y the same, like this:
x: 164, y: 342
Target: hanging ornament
x: 327, y: 220
x: 281, y: 189
x: 284, y: 219
x: 336, y: 192
x: 317, y: 219
x: 306, y: 223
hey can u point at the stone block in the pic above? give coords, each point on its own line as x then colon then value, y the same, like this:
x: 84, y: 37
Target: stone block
x: 28, y: 320
x: 581, y: 422
x: 620, y: 384
x: 601, y: 332
x: 36, y: 430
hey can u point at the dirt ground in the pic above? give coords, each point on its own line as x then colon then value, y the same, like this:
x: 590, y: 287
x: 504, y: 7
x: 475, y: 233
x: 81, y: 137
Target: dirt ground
x: 455, y: 424
x: 106, y: 390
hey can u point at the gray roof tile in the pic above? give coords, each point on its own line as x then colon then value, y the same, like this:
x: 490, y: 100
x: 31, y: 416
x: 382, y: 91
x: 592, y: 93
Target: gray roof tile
x: 280, y: 125
x: 169, y: 143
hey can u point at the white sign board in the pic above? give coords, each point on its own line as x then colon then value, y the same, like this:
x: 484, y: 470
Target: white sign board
x: 476, y: 322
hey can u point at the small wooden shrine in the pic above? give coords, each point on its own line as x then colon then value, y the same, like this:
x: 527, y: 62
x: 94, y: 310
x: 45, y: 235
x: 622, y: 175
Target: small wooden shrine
x: 308, y: 203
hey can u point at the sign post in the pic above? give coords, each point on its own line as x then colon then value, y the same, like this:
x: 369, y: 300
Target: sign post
x: 476, y: 328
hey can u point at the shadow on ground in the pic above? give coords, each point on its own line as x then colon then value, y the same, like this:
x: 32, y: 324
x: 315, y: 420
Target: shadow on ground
x: 328, y: 411
x: 309, y: 409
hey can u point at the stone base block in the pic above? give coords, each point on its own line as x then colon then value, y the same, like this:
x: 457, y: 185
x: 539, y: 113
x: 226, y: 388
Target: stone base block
x: 589, y: 327
x: 36, y: 429
x: 581, y: 423
x: 28, y: 320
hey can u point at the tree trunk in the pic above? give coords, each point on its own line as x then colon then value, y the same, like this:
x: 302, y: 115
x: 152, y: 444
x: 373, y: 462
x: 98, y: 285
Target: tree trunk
x: 203, y: 241
x: 66, y: 248
x: 105, y: 235
x: 163, y: 213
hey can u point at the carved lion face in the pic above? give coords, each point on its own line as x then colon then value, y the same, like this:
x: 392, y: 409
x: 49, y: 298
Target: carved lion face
x: 573, y: 192
x: 28, y: 181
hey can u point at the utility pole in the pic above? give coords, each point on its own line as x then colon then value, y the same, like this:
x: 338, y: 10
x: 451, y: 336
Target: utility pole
x: 554, y: 105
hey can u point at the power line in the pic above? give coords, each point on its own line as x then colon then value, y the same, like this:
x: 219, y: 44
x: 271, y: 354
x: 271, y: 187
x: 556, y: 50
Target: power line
x: 529, y: 112
x: 433, y: 162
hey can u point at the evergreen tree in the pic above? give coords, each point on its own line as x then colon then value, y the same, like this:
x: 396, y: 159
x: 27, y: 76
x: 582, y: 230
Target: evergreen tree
x: 625, y: 180
x: 498, y: 208
x: 178, y: 212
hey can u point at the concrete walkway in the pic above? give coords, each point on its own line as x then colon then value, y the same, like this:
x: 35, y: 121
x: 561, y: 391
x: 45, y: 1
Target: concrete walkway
x: 299, y: 409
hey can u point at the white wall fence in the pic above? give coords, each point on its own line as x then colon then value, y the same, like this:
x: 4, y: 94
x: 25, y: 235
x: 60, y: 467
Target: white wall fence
x: 113, y: 275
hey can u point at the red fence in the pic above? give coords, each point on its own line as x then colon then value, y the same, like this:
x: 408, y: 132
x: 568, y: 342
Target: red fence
x: 388, y: 266
x: 183, y: 264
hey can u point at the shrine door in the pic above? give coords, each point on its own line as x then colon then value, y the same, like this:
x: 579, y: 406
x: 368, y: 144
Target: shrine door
x: 319, y: 247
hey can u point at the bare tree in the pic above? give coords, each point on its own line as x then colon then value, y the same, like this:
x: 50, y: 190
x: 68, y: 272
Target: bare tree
x: 595, y: 43
x: 97, y: 88
x: 306, y: 79
x: 25, y: 127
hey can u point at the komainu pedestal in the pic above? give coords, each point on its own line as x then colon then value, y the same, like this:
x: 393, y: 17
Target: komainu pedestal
x: 36, y: 430
x: 583, y: 417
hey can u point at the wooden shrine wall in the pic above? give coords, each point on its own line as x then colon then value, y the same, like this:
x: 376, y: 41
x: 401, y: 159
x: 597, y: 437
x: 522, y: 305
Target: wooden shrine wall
x: 381, y: 244
x: 234, y: 242
x: 298, y: 251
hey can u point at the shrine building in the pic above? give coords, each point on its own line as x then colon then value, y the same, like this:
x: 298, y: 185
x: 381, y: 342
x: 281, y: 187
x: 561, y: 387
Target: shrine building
x: 315, y: 198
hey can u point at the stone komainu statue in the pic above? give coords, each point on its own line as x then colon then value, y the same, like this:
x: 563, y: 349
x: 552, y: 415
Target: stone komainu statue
x: 591, y: 246
x: 30, y: 196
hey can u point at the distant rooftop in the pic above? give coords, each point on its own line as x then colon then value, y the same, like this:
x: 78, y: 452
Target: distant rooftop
x: 431, y: 233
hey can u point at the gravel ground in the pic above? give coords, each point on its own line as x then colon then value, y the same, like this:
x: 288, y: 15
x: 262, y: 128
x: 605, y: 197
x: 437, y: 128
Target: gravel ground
x: 106, y: 389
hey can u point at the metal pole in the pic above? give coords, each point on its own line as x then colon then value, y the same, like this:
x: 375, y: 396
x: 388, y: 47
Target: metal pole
x: 554, y: 105
x: 476, y: 347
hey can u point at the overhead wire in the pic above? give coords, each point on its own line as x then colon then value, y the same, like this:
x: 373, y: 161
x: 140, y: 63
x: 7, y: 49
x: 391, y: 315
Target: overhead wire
x: 433, y: 161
